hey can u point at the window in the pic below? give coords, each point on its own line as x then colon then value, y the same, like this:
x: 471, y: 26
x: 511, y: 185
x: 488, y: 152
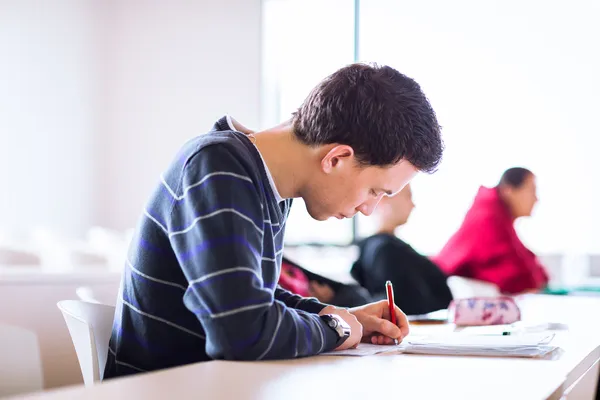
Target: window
x: 304, y: 41
x: 513, y: 84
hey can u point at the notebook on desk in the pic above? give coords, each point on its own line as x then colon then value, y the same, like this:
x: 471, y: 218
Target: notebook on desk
x: 524, y: 345
x: 458, y: 344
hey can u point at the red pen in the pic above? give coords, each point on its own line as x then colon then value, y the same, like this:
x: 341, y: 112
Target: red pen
x: 389, y: 289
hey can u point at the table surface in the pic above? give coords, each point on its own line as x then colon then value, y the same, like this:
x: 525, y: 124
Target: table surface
x: 385, y: 376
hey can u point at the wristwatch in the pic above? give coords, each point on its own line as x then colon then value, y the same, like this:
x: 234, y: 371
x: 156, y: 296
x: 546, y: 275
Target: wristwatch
x: 339, y: 326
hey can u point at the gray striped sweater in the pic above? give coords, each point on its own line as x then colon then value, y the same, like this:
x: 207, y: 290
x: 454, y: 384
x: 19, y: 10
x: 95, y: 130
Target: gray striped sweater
x: 200, y: 281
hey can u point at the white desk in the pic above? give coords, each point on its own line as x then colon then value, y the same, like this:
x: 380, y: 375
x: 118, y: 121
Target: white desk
x: 388, y: 376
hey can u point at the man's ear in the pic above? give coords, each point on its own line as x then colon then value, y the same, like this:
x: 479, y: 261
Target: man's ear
x: 338, y: 156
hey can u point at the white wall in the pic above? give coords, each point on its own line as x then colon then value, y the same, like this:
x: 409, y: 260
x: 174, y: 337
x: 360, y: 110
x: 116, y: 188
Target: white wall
x: 95, y: 98
x: 46, y: 115
x: 174, y: 67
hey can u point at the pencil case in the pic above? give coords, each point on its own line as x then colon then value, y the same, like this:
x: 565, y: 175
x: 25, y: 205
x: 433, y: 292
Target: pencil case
x: 476, y: 311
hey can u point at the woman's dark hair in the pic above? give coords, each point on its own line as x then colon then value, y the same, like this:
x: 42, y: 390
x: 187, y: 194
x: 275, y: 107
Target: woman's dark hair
x: 514, y: 177
x: 383, y: 115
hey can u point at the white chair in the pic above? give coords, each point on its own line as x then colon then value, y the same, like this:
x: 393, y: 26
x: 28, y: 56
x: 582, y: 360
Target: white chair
x: 90, y: 326
x: 20, y: 362
x: 101, y: 295
x: 461, y: 288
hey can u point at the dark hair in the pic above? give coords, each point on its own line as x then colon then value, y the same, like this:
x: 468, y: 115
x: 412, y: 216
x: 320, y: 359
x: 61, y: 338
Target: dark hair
x: 383, y: 115
x: 514, y: 177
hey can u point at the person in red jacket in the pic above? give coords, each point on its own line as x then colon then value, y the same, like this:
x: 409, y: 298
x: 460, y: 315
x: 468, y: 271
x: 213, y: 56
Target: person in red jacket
x: 486, y: 246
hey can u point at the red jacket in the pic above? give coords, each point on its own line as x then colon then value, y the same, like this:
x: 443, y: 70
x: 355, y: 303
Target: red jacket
x: 486, y: 247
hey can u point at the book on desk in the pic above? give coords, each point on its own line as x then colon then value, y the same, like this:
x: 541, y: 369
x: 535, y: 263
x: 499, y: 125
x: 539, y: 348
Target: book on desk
x: 461, y: 344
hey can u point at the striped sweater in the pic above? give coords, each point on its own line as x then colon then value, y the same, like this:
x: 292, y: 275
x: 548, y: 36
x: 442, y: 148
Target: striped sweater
x: 200, y: 281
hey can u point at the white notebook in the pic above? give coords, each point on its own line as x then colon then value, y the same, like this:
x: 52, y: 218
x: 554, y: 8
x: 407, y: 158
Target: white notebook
x: 523, y: 345
x: 492, y: 340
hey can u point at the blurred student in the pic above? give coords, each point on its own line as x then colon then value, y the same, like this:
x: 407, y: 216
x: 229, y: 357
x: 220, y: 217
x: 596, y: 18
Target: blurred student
x: 308, y: 284
x: 419, y: 285
x: 486, y: 246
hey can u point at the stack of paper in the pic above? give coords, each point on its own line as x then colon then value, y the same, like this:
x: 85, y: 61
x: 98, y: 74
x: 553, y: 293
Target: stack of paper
x: 461, y: 344
x: 524, y: 345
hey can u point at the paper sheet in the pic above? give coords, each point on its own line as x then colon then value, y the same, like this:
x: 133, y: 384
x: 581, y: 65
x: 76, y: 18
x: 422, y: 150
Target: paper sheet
x: 364, y: 349
x: 524, y: 345
x: 483, y: 341
x: 491, y: 345
x: 524, y: 351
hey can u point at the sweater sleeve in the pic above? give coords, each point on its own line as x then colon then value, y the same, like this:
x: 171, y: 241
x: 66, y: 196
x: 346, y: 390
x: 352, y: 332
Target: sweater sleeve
x: 217, y: 235
x: 308, y: 304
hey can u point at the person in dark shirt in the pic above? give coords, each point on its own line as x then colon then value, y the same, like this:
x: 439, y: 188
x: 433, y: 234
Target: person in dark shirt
x: 419, y: 284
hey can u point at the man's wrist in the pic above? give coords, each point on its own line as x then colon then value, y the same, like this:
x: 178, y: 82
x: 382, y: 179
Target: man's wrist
x: 328, y: 310
x: 339, y: 327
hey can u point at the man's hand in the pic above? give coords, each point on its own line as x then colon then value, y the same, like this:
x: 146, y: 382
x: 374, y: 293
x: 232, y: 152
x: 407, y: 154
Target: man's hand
x: 356, y: 329
x: 377, y: 328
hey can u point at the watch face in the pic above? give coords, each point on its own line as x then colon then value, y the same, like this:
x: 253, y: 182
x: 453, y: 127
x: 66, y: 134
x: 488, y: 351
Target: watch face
x: 333, y: 322
x: 339, y: 326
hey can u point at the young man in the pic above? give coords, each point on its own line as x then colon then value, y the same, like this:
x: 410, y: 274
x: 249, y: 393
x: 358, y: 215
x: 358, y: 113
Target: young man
x: 420, y: 286
x: 201, y: 277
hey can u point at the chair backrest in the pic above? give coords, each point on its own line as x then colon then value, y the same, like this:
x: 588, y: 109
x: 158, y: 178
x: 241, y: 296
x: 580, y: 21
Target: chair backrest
x: 20, y: 361
x: 86, y: 293
x: 90, y: 326
x: 106, y: 294
x: 466, y: 287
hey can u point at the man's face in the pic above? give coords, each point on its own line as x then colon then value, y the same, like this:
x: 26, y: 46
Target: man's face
x: 342, y: 187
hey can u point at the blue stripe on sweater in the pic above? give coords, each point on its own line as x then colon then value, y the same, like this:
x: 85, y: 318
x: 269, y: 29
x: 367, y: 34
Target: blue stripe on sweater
x: 208, y: 180
x: 190, y: 219
x: 218, y: 242
x: 220, y: 278
x: 205, y: 312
